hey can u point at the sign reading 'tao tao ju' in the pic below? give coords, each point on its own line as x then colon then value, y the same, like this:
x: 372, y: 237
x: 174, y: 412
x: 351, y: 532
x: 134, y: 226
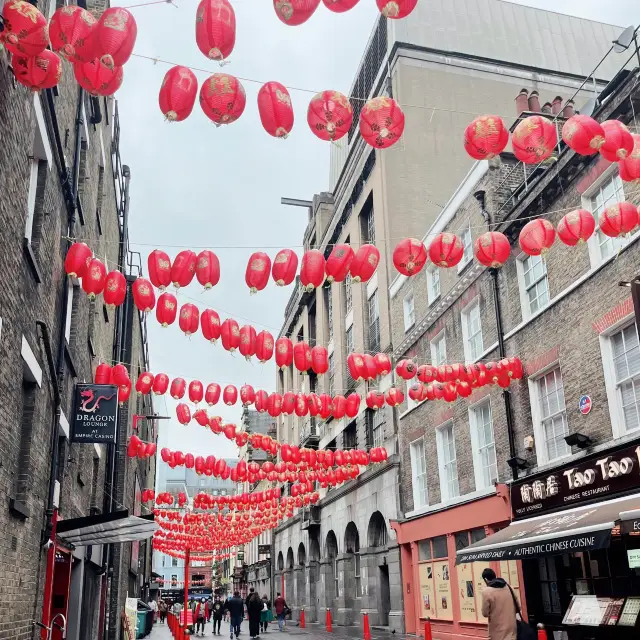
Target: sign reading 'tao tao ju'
x: 95, y: 413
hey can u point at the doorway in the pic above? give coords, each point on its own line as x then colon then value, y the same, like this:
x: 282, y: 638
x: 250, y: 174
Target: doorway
x: 61, y: 584
x: 384, y: 604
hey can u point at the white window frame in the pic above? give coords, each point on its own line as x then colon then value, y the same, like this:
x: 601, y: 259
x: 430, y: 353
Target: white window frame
x: 478, y: 465
x: 522, y: 287
x: 437, y: 340
x: 350, y: 343
x: 348, y: 295
x: 465, y: 317
x: 536, y: 415
x: 409, y: 311
x: 433, y: 278
x: 417, y: 498
x: 468, y: 248
x: 445, y: 495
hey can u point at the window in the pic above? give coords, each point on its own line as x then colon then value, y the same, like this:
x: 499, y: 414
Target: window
x: 349, y: 341
x: 535, y: 284
x: 553, y: 418
x: 350, y: 436
x: 626, y: 361
x: 433, y: 284
x: 332, y: 371
x: 608, y: 193
x: 467, y: 244
x: 472, y: 332
x: 419, y: 474
x: 330, y: 311
x: 38, y: 171
x: 484, y: 449
x: 375, y: 424
x: 447, y: 461
x: 439, y: 349
x: 348, y: 298
x: 409, y: 312
x: 356, y: 572
x: 174, y: 562
x: 374, y: 323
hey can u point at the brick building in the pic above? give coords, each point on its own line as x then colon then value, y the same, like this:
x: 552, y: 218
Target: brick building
x: 61, y: 177
x: 566, y: 317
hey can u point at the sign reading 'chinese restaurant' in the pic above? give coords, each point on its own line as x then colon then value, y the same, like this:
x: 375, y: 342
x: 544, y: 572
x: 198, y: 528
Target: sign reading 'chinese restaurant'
x: 592, y: 479
x: 95, y: 413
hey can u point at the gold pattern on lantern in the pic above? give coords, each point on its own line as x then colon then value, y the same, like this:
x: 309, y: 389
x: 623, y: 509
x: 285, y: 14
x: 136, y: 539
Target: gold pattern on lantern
x: 268, y: 344
x: 258, y: 265
x: 117, y: 20
x: 203, y: 263
x: 185, y: 313
x: 372, y: 259
x: 447, y: 239
x: 69, y: 10
x: 112, y: 286
x: 170, y: 306
x: 282, y: 348
x: 375, y: 104
x: 26, y: 9
x: 95, y: 273
x: 284, y: 97
x: 391, y: 10
x: 486, y: 126
x: 285, y: 9
x: 281, y: 258
x: 359, y: 362
x: 572, y: 217
x: 235, y: 331
x: 164, y: 265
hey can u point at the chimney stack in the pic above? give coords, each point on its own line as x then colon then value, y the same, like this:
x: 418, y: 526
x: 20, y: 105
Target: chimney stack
x: 522, y: 103
x: 568, y: 110
x: 534, y: 102
x: 546, y: 107
x: 556, y: 105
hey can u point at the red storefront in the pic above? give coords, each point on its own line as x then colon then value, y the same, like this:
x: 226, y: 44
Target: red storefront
x: 433, y: 586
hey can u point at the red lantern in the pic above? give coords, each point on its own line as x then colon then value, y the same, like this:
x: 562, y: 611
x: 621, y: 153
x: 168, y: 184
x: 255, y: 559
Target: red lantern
x: 167, y: 309
x: 284, y: 353
x: 73, y: 33
x: 383, y: 363
x: 352, y: 406
x: 302, y: 357
x: 326, y: 405
x: 319, y: 359
x: 274, y: 102
x: 94, y: 279
x: 629, y: 168
x: 160, y: 384
x: 143, y: 296
x: 159, y: 266
x: 370, y: 367
x: 42, y: 71
x: 330, y: 115
x: 295, y: 12
x: 619, y: 219
x: 618, y: 142
x: 247, y: 394
x: 115, y: 289
x: 117, y: 32
x: 274, y: 405
x: 230, y: 395
x: 537, y: 237
x: 77, y: 260
x: 381, y: 122
x: 339, y: 262
x: 394, y: 397
x: 426, y: 373
x: 257, y: 273
x: 339, y: 407
x: 247, y: 341
x: 492, y: 249
x: 264, y: 346
x: 230, y: 334
x: 364, y: 263
x: 183, y: 269
x: 215, y: 29
x: 25, y: 29
x: 119, y: 375
x: 124, y: 392
x: 417, y: 392
x: 406, y: 369
x: 396, y: 9
x: 210, y: 325
x: 222, y: 98
x: 183, y: 413
x: 98, y: 79
x: 178, y: 387
x: 285, y: 266
x: 178, y: 93
x: 195, y: 391
x: 446, y: 250
x: 262, y: 398
x: 583, y: 134
x: 207, y: 269
x: 486, y: 137
x: 534, y: 139
x: 576, y: 227
x: 103, y: 374
x: 312, y: 271
x: 212, y: 393
x: 409, y: 256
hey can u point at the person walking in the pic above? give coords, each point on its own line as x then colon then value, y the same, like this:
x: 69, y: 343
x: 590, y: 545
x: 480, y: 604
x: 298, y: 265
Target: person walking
x: 235, y: 607
x: 500, y: 606
x: 162, y: 608
x: 209, y: 609
x: 280, y: 605
x: 199, y: 615
x: 218, y: 612
x: 266, y: 615
x: 154, y: 607
x: 254, y: 611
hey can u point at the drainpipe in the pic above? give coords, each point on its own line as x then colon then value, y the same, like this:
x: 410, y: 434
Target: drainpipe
x: 480, y: 197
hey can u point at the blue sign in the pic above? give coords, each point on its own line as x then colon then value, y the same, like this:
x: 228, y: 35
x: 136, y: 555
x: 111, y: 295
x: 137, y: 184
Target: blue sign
x: 585, y: 405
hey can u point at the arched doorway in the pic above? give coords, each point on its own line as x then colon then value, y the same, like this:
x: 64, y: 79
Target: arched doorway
x: 350, y: 582
x: 289, y: 588
x: 377, y: 538
x: 331, y: 574
x: 280, y: 562
x: 314, y: 576
x: 352, y: 546
x: 302, y: 555
x: 301, y: 579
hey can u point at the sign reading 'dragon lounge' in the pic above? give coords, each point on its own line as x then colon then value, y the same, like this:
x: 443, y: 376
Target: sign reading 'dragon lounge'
x: 95, y: 413
x: 597, y: 477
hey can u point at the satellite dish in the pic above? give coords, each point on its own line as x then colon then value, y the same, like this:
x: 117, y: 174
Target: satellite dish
x: 588, y: 107
x: 624, y: 40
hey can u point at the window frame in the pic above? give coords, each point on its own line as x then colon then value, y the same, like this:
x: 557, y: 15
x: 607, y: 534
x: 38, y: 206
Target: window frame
x: 478, y: 465
x: 433, y: 276
x: 445, y: 496
x: 416, y: 490
x: 330, y: 311
x: 467, y: 256
x: 370, y: 345
x: 409, y: 311
x: 348, y: 295
x: 433, y: 345
x: 525, y: 303
x: 465, y: 315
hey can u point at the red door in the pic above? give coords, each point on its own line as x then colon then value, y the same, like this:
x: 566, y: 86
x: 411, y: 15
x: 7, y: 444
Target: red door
x: 61, y: 582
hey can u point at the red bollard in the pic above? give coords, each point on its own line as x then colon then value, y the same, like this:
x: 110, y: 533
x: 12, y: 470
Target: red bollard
x: 328, y: 620
x: 542, y: 632
x: 428, y: 635
x: 303, y: 622
x: 365, y: 626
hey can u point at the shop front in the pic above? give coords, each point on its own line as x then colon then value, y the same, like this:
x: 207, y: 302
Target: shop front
x: 576, y: 531
x: 437, y: 588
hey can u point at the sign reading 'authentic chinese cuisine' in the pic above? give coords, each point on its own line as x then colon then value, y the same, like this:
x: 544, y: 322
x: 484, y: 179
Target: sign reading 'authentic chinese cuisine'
x: 95, y: 413
x: 597, y: 477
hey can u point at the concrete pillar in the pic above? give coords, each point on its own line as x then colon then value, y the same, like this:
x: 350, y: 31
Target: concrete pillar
x: 346, y: 590
x: 326, y: 596
x: 289, y: 589
x: 396, y: 613
x: 300, y: 597
x: 369, y: 584
x: 313, y: 576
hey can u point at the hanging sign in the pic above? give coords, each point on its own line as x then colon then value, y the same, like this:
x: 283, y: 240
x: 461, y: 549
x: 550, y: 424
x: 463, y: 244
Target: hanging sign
x: 95, y: 413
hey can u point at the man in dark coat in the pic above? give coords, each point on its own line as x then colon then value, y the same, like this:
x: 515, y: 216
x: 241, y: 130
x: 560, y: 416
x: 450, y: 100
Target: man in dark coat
x: 235, y: 607
x: 254, y: 609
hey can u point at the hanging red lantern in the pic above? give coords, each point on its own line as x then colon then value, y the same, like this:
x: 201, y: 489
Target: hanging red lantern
x: 143, y: 295
x: 183, y: 413
x: 178, y: 388
x: 103, y: 374
x: 116, y: 36
x: 196, y: 391
x: 42, y: 71
x: 210, y: 325
x: 618, y: 141
x: 262, y: 398
x: 77, y: 259
x: 159, y: 266
x: 25, y: 31
x: 339, y: 262
x: 319, y: 359
x: 302, y: 357
x: 312, y: 271
x: 417, y: 392
x: 352, y: 406
x: 409, y: 256
x: 178, y: 93
x: 355, y: 365
x: 94, y: 279
x: 212, y: 393
x: 576, y: 227
x: 364, y: 263
x: 160, y: 384
x: 284, y: 353
x: 288, y: 403
x: 326, y: 405
x: 230, y: 395
x: 274, y: 405
x: 257, y: 273
x: 394, y: 397
x: 340, y: 6
x: 492, y: 249
x: 144, y: 383
x: 73, y: 33
x: 115, y: 289
x: 534, y: 139
x: 629, y: 168
x: 274, y: 103
x: 383, y: 363
x: 396, y: 9
x: 537, y: 237
x: 167, y: 309
x: 247, y: 346
x: 264, y: 346
x: 97, y: 78
x: 215, y: 29
x: 406, y: 369
x: 222, y: 98
x: 247, y: 394
x: 381, y: 122
x: 618, y: 219
x: 285, y: 266
x: 183, y: 269
x: 330, y: 115
x: 446, y: 250
x: 119, y: 375
x: 207, y: 269
x: 486, y: 137
x: 230, y: 334
x: 339, y: 407
x: 426, y: 373
x: 189, y: 318
x: 583, y: 134
x: 370, y: 367
x: 295, y: 12
x: 124, y: 392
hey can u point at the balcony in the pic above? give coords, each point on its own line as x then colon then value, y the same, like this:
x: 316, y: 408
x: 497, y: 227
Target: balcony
x: 309, y: 517
x: 309, y: 436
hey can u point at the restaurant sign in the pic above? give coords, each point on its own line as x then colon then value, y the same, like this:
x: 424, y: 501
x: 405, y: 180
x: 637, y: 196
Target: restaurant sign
x: 592, y: 479
x: 95, y: 413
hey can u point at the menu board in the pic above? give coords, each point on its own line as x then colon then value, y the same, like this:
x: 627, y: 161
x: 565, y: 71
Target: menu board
x: 427, y: 594
x: 630, y: 613
x: 442, y: 580
x: 612, y: 613
x: 592, y: 611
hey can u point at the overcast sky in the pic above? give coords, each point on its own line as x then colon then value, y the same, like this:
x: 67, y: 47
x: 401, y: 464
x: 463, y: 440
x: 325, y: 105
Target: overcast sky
x: 198, y: 186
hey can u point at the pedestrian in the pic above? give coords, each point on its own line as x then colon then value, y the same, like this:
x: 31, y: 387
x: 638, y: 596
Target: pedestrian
x: 162, y: 608
x: 254, y: 611
x: 218, y: 612
x: 209, y: 609
x: 199, y: 615
x: 500, y: 606
x: 266, y: 615
x: 235, y: 607
x: 280, y: 605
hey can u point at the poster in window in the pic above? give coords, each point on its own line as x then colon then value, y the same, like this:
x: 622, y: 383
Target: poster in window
x: 442, y: 581
x: 478, y: 568
x: 466, y: 587
x: 427, y: 602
